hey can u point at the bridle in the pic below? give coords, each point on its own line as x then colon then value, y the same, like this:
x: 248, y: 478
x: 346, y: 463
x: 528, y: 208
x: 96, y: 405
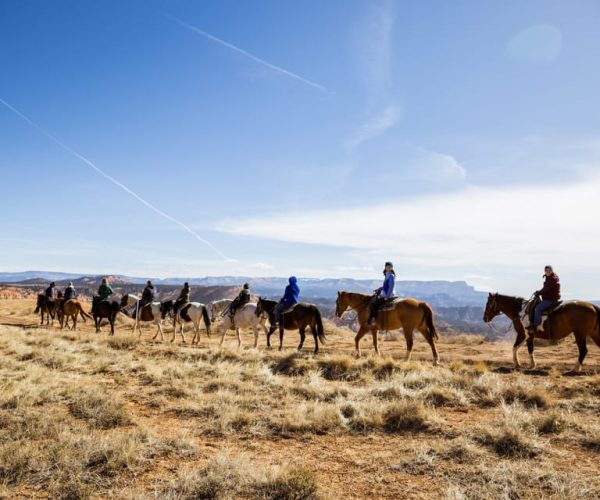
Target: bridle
x: 497, y: 312
x: 345, y: 316
x: 510, y: 326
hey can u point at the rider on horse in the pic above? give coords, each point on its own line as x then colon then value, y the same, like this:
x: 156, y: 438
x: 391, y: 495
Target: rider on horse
x: 289, y: 299
x: 240, y: 301
x: 67, y: 295
x: 147, y: 297
x: 104, y: 292
x: 184, y: 297
x: 51, y: 291
x: 550, y: 295
x: 384, y: 293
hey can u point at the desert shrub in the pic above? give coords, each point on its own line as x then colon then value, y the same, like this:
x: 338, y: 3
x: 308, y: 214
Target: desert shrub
x: 291, y: 483
x: 123, y: 342
x: 98, y: 409
x: 292, y: 364
x: 508, y: 442
x: 339, y: 367
x: 317, y: 418
x: 532, y: 396
x: 551, y: 423
x: 406, y: 416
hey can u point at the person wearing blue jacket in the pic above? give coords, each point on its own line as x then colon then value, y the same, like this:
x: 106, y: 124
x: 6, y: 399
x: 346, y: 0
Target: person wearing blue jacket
x: 384, y: 293
x: 290, y: 297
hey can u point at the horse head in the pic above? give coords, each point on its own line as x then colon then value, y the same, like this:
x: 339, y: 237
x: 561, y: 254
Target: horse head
x: 125, y: 300
x: 259, y: 307
x: 341, y: 304
x: 492, y: 308
x: 166, y: 308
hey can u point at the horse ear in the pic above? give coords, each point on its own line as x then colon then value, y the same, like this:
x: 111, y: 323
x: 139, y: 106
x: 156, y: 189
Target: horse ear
x: 339, y: 293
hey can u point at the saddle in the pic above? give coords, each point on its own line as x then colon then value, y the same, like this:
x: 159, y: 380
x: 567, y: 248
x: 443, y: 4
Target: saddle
x: 289, y: 309
x: 183, y: 312
x: 389, y: 304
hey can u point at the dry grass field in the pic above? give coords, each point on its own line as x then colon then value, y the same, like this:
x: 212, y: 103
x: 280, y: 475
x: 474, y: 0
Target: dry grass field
x: 87, y: 415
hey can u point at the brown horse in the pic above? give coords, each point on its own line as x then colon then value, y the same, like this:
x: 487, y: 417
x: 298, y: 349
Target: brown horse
x: 408, y: 314
x: 303, y: 316
x: 575, y: 317
x: 105, y: 309
x: 47, y: 306
x: 71, y: 309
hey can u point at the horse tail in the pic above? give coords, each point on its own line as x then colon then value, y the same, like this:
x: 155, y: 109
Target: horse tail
x: 428, y: 313
x: 206, y: 318
x: 83, y: 313
x: 320, y: 329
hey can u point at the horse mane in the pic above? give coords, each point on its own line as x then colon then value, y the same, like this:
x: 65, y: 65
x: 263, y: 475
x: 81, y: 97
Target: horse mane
x: 510, y: 297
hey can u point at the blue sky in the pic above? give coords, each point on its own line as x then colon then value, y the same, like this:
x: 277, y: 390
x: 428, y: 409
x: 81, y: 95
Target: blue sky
x: 459, y: 139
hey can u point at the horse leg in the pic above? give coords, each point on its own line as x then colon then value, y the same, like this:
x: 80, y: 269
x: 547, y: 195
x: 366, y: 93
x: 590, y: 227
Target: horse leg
x: 75, y: 322
x: 582, y: 346
x: 302, y: 337
x: 96, y: 324
x: 255, y: 332
x: 181, y: 333
x: 362, y: 331
x: 530, y: 350
x: 174, y: 330
x: 408, y: 335
x: 160, y: 329
x: 237, y: 331
x: 431, y: 341
x: 375, y: 341
x: 316, y: 337
x: 518, y: 343
x: 269, y: 333
x: 111, y: 320
x: 281, y: 338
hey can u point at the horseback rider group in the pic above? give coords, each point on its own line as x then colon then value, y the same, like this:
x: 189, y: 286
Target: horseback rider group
x: 546, y: 298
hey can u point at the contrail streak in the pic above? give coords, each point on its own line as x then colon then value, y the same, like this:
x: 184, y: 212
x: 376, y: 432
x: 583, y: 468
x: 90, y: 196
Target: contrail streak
x: 248, y: 54
x: 115, y: 181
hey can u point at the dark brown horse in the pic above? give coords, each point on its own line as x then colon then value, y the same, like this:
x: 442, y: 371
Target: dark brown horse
x: 46, y: 305
x: 301, y: 317
x: 575, y: 317
x: 105, y: 309
x: 408, y: 314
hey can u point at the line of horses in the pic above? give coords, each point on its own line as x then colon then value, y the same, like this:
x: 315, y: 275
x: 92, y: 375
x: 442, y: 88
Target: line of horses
x: 577, y: 317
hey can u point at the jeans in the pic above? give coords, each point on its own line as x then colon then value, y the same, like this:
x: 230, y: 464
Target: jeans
x: 279, y: 308
x: 537, y: 313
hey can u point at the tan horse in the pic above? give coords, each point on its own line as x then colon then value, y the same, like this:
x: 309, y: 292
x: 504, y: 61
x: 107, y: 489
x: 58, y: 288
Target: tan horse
x: 71, y: 309
x: 408, y: 314
x: 582, y: 319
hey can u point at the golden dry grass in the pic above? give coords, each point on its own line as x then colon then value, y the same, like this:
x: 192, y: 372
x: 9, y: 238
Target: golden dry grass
x: 86, y: 415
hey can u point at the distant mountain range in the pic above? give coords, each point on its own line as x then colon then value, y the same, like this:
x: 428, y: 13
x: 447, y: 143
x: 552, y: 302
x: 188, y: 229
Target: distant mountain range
x: 437, y: 293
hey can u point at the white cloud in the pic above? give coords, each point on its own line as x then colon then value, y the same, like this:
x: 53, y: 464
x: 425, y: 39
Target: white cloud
x: 376, y: 125
x: 541, y: 43
x: 375, y: 49
x: 474, y: 228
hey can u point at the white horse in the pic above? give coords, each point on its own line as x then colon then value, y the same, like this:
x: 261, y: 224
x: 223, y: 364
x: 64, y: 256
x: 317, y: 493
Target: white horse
x: 245, y: 317
x: 155, y: 313
x: 193, y: 312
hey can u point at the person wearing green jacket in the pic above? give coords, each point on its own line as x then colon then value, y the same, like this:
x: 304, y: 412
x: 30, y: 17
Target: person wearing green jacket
x: 104, y: 292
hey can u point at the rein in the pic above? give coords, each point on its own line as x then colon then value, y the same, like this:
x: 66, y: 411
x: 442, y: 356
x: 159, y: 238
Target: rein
x: 510, y: 326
